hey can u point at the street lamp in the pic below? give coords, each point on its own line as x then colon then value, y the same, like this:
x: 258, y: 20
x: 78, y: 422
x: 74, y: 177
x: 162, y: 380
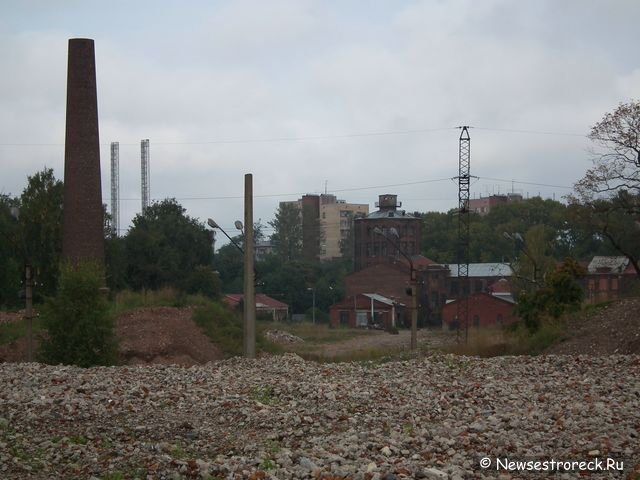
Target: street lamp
x: 412, y: 281
x: 213, y: 224
x: 313, y: 312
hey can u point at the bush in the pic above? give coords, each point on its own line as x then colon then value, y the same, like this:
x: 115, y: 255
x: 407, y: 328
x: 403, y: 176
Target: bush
x: 80, y: 328
x: 202, y: 280
x: 222, y: 326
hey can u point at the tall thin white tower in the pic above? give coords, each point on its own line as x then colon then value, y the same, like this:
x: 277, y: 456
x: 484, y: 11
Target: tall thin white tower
x: 115, y: 188
x: 144, y: 166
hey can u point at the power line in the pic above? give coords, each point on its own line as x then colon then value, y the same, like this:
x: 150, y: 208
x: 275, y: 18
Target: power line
x: 318, y: 137
x: 531, y: 132
x: 259, y: 140
x: 270, y: 195
x: 526, y: 183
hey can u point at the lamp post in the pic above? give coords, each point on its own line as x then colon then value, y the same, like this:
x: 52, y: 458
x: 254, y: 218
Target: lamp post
x: 313, y: 305
x: 412, y: 282
x: 249, y: 313
x: 213, y: 224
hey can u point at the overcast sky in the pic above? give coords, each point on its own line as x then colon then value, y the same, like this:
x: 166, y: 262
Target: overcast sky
x: 356, y: 97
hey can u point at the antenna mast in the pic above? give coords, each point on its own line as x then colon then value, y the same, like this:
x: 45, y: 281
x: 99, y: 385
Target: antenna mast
x: 464, y: 181
x: 115, y: 188
x: 144, y: 167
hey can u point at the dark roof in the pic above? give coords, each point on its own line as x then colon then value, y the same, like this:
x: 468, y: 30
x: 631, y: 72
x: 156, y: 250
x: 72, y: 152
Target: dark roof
x: 396, y: 214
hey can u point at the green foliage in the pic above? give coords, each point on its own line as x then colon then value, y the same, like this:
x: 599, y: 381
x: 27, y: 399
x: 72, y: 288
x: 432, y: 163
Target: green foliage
x: 41, y: 229
x: 616, y: 220
x: 229, y: 262
x: 164, y: 246
x: 264, y: 394
x: 12, y: 331
x: 203, y: 281
x: 80, y: 329
x: 543, y: 224
x: 10, y: 254
x: 560, y: 294
x: 116, y: 262
x: 287, y: 238
x: 222, y: 326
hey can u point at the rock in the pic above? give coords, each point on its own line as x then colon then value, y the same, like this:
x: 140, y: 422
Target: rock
x: 435, y: 474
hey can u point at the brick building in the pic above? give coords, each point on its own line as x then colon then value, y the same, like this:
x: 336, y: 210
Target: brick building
x: 392, y: 279
x: 609, y: 278
x: 366, y: 310
x: 400, y: 227
x: 485, y: 310
x: 483, y: 205
x: 265, y: 305
x: 481, y: 276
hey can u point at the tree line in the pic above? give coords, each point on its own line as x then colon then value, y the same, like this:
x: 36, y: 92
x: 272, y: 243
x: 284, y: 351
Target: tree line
x: 165, y: 247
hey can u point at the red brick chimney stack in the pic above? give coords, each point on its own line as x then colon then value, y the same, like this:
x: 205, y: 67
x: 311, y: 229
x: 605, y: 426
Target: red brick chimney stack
x: 83, y: 237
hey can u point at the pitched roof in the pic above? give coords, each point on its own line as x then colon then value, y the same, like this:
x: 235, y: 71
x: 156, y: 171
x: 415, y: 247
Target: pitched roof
x: 484, y: 270
x: 379, y: 298
x: 262, y: 300
x: 602, y: 264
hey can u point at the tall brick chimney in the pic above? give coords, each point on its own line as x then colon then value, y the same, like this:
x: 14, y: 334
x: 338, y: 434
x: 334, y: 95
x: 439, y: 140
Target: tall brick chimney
x: 83, y: 237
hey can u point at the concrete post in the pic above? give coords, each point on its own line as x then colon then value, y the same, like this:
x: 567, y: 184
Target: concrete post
x: 249, y: 280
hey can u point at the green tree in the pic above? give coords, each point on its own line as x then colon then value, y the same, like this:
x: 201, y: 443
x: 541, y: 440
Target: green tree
x: 287, y: 237
x: 616, y: 220
x: 607, y: 197
x: 561, y: 293
x: 164, y: 246
x: 41, y: 229
x: 79, y: 326
x: 10, y: 254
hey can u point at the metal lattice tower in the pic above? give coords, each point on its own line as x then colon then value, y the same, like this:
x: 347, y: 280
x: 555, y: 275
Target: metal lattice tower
x: 144, y: 169
x: 115, y: 188
x: 464, y: 181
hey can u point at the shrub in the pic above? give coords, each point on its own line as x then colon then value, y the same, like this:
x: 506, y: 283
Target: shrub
x: 80, y: 328
x: 222, y: 326
x: 202, y: 280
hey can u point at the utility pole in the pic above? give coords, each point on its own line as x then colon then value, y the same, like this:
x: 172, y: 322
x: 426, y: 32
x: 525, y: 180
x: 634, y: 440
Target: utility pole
x: 249, y: 280
x: 28, y: 284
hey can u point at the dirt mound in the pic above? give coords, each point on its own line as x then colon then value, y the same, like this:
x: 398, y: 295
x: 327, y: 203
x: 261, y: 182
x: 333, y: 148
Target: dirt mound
x: 156, y: 335
x: 163, y: 335
x: 610, y: 329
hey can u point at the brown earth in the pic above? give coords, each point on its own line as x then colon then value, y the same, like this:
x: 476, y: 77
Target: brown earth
x: 156, y: 335
x: 612, y: 329
x: 163, y: 335
x: 167, y: 335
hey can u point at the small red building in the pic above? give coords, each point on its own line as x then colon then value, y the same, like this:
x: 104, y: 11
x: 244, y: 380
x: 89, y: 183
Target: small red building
x: 609, y: 278
x: 485, y: 310
x: 366, y: 310
x: 265, y: 305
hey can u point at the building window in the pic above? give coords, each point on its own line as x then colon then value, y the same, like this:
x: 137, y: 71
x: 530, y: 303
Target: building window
x: 499, y: 319
x: 344, y: 318
x: 476, y: 320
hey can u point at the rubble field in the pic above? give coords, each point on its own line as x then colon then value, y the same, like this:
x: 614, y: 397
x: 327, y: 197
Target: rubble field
x: 282, y: 417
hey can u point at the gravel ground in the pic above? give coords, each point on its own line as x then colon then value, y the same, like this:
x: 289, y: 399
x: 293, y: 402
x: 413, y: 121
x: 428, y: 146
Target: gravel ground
x: 282, y: 417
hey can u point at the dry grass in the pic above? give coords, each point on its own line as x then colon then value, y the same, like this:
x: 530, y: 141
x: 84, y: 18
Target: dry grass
x: 491, y: 342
